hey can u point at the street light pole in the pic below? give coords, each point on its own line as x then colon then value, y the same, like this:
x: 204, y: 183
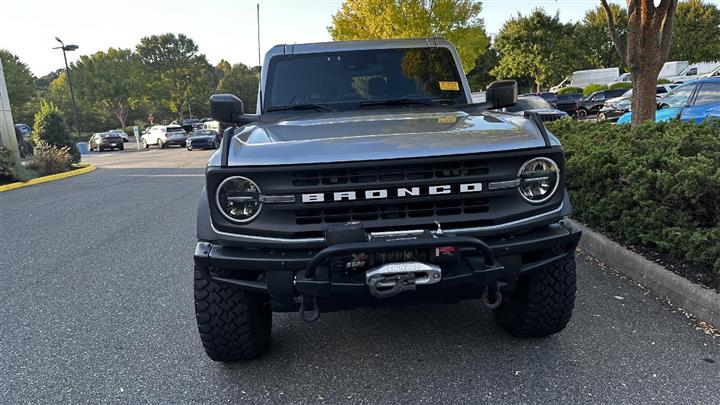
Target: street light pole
x: 67, y: 72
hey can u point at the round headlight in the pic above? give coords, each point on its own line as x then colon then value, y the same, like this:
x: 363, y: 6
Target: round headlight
x: 539, y: 178
x: 238, y: 199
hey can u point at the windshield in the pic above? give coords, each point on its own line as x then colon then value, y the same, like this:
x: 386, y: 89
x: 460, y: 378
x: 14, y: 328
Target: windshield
x: 355, y: 77
x: 678, y: 97
x: 529, y: 103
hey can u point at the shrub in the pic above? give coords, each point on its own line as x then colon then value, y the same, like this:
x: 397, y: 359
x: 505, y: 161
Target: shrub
x: 50, y: 128
x: 620, y: 85
x: 50, y: 159
x: 663, y: 81
x: 7, y: 165
x: 592, y: 88
x: 569, y: 90
x: 657, y: 185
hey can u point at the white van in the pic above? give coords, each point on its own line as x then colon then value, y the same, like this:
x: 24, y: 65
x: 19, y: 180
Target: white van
x: 714, y: 73
x: 582, y: 78
x: 672, y: 69
x: 694, y: 71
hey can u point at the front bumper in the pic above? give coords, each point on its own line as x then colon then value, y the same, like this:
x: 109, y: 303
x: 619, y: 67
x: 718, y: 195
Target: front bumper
x: 288, y: 274
x: 612, y: 114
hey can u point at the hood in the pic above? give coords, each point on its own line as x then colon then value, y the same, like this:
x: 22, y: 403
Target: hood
x: 547, y: 111
x: 378, y: 135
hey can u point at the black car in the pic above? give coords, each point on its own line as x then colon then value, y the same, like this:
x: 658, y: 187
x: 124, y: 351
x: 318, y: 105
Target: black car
x: 106, y: 140
x: 203, y: 139
x: 568, y: 102
x: 595, y: 101
x: 189, y: 124
x: 548, y: 96
x: 538, y: 105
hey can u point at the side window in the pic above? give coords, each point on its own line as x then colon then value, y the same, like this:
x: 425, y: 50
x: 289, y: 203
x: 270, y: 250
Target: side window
x: 661, y: 90
x: 599, y: 97
x: 709, y: 93
x: 691, y: 72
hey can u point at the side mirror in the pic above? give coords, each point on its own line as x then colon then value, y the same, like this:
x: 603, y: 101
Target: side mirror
x: 502, y: 93
x: 226, y: 108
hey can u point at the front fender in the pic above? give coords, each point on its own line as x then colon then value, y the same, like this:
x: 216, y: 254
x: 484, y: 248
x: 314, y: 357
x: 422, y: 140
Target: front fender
x: 204, y: 228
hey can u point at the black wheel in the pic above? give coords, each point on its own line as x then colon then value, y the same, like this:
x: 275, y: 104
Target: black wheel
x: 121, y: 147
x: 160, y: 144
x: 145, y: 144
x: 189, y: 148
x: 601, y: 117
x: 233, y: 324
x: 581, y: 113
x: 542, y: 302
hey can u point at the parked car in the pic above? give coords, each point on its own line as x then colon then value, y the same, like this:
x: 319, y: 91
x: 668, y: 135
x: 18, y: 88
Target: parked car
x: 615, y: 107
x: 623, y: 78
x: 163, y: 136
x: 122, y: 134
x: 105, y: 140
x: 189, y: 124
x: 695, y: 102
x: 582, y: 78
x: 538, y: 105
x: 694, y: 71
x: 548, y: 96
x: 595, y: 101
x: 568, y: 102
x: 203, y: 139
x: 672, y: 69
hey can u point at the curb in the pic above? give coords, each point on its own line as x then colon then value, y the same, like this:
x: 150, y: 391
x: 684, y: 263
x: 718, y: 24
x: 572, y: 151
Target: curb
x: 701, y: 302
x: 45, y: 179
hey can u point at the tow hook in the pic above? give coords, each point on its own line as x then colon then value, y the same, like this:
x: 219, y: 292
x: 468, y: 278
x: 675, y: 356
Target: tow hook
x: 494, y: 291
x: 392, y: 279
x: 309, y: 310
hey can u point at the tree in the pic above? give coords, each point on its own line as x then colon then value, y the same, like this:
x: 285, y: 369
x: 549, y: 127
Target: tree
x: 479, y: 77
x: 696, y: 23
x: 646, y: 49
x: 109, y: 80
x: 242, y: 81
x: 51, y: 129
x: 176, y: 75
x: 20, y: 85
x: 455, y: 20
x: 594, y: 38
x: 526, y: 48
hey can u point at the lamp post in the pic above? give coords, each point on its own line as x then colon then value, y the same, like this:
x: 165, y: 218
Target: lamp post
x: 69, y: 48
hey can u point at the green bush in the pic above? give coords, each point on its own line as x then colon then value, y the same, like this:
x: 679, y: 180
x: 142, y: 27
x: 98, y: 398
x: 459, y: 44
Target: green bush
x: 50, y: 159
x: 621, y: 85
x: 663, y: 81
x: 11, y: 171
x: 656, y: 185
x: 569, y: 90
x: 50, y: 128
x: 590, y: 88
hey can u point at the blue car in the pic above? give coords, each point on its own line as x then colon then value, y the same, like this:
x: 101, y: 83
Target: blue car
x: 694, y: 101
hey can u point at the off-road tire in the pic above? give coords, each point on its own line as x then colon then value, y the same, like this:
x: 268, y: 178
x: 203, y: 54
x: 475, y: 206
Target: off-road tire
x: 542, y: 302
x: 233, y: 324
x: 581, y: 113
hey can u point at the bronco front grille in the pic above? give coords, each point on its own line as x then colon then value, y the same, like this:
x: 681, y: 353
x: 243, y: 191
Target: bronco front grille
x: 369, y: 175
x: 395, y: 210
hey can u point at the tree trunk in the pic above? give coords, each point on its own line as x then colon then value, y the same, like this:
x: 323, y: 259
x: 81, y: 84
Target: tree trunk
x: 646, y: 50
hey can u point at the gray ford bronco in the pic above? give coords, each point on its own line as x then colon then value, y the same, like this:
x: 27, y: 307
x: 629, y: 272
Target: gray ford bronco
x: 369, y: 178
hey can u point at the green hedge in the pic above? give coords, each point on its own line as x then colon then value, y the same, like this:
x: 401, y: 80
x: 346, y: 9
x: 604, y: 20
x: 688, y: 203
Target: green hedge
x: 621, y: 85
x: 569, y: 90
x: 656, y: 185
x: 590, y: 88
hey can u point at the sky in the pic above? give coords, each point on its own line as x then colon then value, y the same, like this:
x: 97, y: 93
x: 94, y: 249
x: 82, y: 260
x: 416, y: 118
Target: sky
x: 223, y: 29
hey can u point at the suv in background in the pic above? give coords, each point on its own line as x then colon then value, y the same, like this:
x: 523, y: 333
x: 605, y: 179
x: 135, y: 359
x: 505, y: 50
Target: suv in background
x: 568, y: 102
x: 595, y: 101
x: 367, y: 178
x: 163, y: 136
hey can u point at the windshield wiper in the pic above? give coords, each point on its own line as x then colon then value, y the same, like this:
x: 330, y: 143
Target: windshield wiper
x: 405, y: 101
x: 300, y: 107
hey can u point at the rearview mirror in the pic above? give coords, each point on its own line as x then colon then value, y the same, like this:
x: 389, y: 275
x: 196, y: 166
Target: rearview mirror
x: 502, y: 93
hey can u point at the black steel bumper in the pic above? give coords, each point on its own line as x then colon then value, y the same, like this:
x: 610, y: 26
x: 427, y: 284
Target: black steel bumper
x: 286, y: 274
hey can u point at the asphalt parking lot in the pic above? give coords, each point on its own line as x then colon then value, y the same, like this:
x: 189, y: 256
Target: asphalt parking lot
x: 97, y: 306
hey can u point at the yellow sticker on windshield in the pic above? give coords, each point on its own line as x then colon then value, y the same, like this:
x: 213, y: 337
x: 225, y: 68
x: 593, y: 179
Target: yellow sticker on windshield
x: 449, y: 86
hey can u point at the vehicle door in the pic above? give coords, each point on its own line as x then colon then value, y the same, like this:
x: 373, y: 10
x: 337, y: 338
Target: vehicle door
x: 672, y: 105
x: 706, y: 99
x: 597, y: 101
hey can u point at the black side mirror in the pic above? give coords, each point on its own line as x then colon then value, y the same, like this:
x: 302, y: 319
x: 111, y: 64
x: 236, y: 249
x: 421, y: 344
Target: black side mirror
x: 226, y: 108
x: 502, y: 93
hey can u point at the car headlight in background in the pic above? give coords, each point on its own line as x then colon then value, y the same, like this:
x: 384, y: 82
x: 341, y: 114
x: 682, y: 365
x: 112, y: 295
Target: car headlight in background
x: 238, y: 199
x: 538, y: 179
